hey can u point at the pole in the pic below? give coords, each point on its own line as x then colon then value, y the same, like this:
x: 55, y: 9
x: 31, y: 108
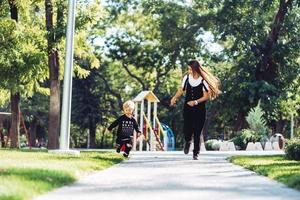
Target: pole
x: 67, y: 88
x: 142, y: 124
x: 150, y: 124
x: 135, y: 133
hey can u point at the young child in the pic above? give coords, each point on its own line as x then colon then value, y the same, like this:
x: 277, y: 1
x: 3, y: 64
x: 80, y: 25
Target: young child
x: 126, y: 126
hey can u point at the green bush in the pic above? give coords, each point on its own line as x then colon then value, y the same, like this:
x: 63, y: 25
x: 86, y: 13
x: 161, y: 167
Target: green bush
x: 292, y: 149
x: 23, y: 141
x: 245, y: 136
x: 256, y: 121
x: 257, y: 131
x: 212, y: 144
x: 238, y: 141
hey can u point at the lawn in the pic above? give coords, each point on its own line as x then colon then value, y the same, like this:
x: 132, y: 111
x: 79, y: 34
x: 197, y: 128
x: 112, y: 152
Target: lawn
x: 25, y: 174
x: 275, y: 167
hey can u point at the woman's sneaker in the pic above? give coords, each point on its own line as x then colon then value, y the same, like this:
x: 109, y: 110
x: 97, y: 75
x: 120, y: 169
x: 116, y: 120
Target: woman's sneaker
x: 186, y: 148
x: 195, y: 156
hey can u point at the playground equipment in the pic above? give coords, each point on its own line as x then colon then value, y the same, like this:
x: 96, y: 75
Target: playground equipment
x: 22, y: 128
x: 171, y: 137
x: 155, y: 137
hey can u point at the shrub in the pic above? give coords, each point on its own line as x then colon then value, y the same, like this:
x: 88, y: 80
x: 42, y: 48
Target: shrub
x: 23, y: 141
x: 212, y: 144
x: 256, y: 121
x: 292, y: 149
x: 245, y: 136
x: 238, y: 141
x: 257, y: 131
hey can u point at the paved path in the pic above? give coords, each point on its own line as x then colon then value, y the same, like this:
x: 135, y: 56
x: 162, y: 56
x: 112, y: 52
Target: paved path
x: 174, y: 176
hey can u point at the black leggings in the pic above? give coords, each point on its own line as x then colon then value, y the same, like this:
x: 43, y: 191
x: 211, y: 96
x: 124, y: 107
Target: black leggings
x: 194, y: 119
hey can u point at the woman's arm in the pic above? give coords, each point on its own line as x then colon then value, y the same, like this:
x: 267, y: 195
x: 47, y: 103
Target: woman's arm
x: 178, y: 94
x: 205, y: 97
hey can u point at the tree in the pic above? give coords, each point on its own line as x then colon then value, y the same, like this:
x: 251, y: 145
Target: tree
x: 35, y: 111
x: 55, y: 38
x: 22, y: 56
x: 24, y: 51
x: 86, y: 111
x: 267, y: 35
x: 176, y: 30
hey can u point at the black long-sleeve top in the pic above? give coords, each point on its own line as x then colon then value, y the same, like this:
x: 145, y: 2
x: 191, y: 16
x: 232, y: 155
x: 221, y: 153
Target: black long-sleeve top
x: 126, y: 126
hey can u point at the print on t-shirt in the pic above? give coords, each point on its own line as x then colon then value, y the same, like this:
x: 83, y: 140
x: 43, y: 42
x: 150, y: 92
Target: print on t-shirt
x: 127, y: 127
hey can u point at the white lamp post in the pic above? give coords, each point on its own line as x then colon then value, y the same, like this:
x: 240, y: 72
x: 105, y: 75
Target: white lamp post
x: 67, y: 87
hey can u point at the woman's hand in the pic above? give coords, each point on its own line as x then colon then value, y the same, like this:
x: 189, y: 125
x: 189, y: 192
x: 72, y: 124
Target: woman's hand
x: 173, y: 101
x: 178, y: 94
x: 191, y: 103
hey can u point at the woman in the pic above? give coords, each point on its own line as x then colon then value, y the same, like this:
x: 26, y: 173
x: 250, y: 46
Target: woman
x: 199, y: 85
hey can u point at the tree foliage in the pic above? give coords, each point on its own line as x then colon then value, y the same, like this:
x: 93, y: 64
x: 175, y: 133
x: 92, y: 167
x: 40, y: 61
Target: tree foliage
x: 252, y: 46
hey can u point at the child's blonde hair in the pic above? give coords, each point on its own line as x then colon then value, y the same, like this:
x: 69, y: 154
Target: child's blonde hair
x: 128, y: 106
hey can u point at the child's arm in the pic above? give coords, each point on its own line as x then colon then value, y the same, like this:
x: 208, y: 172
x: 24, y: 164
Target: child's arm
x: 136, y: 128
x: 114, y: 124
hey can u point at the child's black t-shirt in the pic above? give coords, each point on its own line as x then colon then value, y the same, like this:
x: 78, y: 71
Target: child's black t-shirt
x: 126, y: 126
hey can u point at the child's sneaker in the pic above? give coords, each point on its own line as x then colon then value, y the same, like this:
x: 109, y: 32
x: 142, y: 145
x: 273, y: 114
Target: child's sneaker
x: 118, y: 148
x: 125, y: 155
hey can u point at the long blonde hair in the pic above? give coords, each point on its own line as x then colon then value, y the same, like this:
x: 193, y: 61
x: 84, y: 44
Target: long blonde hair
x: 213, y: 82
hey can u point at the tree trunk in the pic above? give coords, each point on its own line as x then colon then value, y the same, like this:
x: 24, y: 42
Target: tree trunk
x: 32, y: 132
x: 53, y: 63
x: 1, y: 132
x: 240, y: 121
x: 92, y: 128
x: 102, y: 139
x: 15, y: 120
x: 13, y: 10
x: 113, y: 141
x: 15, y: 97
x: 266, y: 68
x: 280, y: 126
x: 54, y: 115
x: 206, y: 124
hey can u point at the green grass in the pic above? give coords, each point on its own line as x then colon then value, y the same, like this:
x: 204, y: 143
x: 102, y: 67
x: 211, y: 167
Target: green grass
x: 25, y: 174
x: 275, y: 167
